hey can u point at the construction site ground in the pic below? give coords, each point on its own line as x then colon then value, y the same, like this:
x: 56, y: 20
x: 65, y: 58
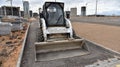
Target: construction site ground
x: 106, y: 35
x: 10, y: 47
x: 96, y: 53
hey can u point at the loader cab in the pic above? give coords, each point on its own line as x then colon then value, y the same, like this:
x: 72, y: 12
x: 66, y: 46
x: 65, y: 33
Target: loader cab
x: 53, y: 13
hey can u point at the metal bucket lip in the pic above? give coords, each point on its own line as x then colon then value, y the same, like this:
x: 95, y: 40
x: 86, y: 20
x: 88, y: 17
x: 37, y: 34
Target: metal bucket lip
x: 51, y: 42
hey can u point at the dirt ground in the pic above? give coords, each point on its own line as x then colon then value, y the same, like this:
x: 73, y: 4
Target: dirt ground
x: 10, y: 46
x: 108, y: 36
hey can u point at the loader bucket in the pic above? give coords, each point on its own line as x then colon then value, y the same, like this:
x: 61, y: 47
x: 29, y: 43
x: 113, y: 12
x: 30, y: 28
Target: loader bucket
x: 46, y: 51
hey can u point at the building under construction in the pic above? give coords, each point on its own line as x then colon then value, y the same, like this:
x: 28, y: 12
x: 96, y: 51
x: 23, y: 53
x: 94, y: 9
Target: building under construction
x: 8, y: 10
x: 26, y: 9
x: 73, y: 12
x: 83, y: 11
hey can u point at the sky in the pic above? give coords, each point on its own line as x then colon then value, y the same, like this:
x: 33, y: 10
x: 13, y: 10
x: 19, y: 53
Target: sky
x: 105, y: 7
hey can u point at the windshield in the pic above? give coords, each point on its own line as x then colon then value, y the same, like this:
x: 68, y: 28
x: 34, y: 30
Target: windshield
x: 55, y: 15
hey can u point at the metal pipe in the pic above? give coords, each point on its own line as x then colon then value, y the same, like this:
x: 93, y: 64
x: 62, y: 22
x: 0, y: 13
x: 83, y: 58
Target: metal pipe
x: 86, y: 8
x: 96, y: 8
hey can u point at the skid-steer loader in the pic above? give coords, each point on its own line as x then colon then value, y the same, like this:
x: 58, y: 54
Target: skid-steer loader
x: 56, y: 38
x: 57, y: 42
x: 58, y: 46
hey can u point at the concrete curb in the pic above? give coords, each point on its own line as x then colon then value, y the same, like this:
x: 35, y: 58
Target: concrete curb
x: 106, y: 48
x: 97, y: 44
x: 22, y: 49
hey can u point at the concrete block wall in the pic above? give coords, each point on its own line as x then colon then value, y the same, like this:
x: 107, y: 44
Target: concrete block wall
x: 106, y: 20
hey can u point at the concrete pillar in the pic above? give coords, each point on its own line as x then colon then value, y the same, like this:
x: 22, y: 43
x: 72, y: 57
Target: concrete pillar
x: 5, y: 11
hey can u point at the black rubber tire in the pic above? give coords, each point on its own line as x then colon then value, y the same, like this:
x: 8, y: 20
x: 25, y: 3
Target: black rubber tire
x: 41, y: 38
x: 75, y: 36
x: 39, y: 35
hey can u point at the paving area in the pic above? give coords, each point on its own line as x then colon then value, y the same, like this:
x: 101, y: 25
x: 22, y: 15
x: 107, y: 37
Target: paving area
x: 96, y: 54
x: 105, y: 35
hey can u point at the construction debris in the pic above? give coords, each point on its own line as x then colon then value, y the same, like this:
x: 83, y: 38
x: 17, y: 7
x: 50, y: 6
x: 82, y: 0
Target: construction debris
x: 5, y: 28
x: 10, y: 46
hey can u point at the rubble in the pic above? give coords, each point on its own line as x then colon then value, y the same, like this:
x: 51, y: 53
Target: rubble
x: 5, y: 28
x: 10, y: 46
x: 4, y: 53
x: 0, y: 63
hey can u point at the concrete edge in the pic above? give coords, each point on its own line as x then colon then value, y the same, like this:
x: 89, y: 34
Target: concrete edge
x: 101, y: 23
x: 97, y: 44
x: 22, y: 49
